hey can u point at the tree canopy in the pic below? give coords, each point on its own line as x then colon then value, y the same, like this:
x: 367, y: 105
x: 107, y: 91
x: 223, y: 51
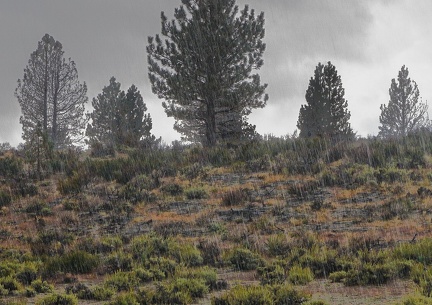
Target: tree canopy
x: 325, y: 113
x: 51, y: 96
x: 404, y: 113
x: 119, y: 118
x: 203, y: 69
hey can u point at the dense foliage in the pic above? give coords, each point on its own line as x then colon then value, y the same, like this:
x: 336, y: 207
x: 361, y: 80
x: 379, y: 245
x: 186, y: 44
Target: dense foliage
x: 204, y: 69
x: 118, y: 118
x: 325, y: 113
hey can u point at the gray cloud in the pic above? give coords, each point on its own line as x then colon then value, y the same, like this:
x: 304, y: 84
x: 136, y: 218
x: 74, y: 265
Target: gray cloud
x: 108, y: 38
x: 299, y: 34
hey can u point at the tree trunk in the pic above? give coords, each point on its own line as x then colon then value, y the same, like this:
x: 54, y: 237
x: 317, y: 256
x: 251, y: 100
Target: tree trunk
x: 55, y: 106
x: 211, y: 124
x: 45, y: 101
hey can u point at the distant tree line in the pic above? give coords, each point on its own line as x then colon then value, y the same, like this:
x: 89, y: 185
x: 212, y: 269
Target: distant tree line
x: 203, y: 65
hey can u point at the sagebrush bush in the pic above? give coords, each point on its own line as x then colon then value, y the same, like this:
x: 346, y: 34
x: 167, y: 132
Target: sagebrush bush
x: 300, y: 276
x: 207, y: 274
x: 370, y: 274
x: 403, y: 268
x: 122, y: 281
x: 422, y: 276
x: 76, y: 262
x: 161, y: 267
x: 186, y: 254
x: 118, y: 261
x: 271, y: 274
x: 234, y: 197
x: 139, y: 187
x: 103, y: 245
x: 144, y: 246
x: 338, y: 276
x: 38, y: 207
x: 193, y: 171
x: 287, y: 295
x: 243, y: 259
x: 240, y: 295
x: 278, y: 245
x: 8, y: 268
x: 10, y: 284
x: 28, y: 272
x: 415, y: 300
x: 195, y: 287
x: 24, y: 188
x: 400, y: 207
x: 144, y: 275
x: 178, y: 291
x: 420, y: 251
x: 391, y: 175
x: 210, y: 252
x: 364, y: 243
x: 196, y: 193
x: 321, y: 261
x: 219, y: 155
x: 125, y: 298
x: 102, y: 293
x: 173, y: 189
x: 165, y: 295
x: 41, y: 286
x: 3, y: 292
x: 5, y: 198
x: 81, y: 290
x: 75, y: 183
x: 58, y: 299
x: 218, y: 228
x: 11, y: 166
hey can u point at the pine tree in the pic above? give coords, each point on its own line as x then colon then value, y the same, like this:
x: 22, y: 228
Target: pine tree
x: 405, y: 113
x: 103, y: 123
x: 325, y: 114
x: 204, y: 68
x: 51, y: 96
x: 119, y: 118
x: 132, y: 124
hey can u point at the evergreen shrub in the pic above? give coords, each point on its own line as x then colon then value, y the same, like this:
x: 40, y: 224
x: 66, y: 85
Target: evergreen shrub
x: 196, y: 193
x: 244, y: 259
x: 5, y: 198
x: 58, y: 299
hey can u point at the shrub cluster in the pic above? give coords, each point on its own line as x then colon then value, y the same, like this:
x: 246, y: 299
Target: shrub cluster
x: 263, y: 295
x: 75, y: 262
x: 5, y: 198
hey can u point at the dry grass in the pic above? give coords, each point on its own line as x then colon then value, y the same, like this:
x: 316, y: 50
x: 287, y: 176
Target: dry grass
x: 322, y: 216
x: 276, y: 212
x: 338, y: 294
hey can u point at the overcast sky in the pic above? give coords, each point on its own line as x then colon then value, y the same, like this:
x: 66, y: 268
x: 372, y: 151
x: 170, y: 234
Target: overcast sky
x: 368, y: 41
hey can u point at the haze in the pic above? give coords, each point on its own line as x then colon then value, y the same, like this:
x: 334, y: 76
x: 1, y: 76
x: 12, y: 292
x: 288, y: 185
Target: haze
x: 368, y: 42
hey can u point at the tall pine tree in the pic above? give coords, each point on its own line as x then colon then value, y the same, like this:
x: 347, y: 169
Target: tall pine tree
x: 119, y: 118
x: 132, y: 123
x: 51, y: 96
x: 203, y: 69
x: 102, y: 126
x: 405, y: 113
x: 325, y: 114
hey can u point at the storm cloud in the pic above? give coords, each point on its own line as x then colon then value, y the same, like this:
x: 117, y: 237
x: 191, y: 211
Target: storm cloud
x: 368, y: 41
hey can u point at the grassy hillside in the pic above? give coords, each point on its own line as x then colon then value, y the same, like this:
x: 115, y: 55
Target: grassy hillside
x: 276, y: 221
